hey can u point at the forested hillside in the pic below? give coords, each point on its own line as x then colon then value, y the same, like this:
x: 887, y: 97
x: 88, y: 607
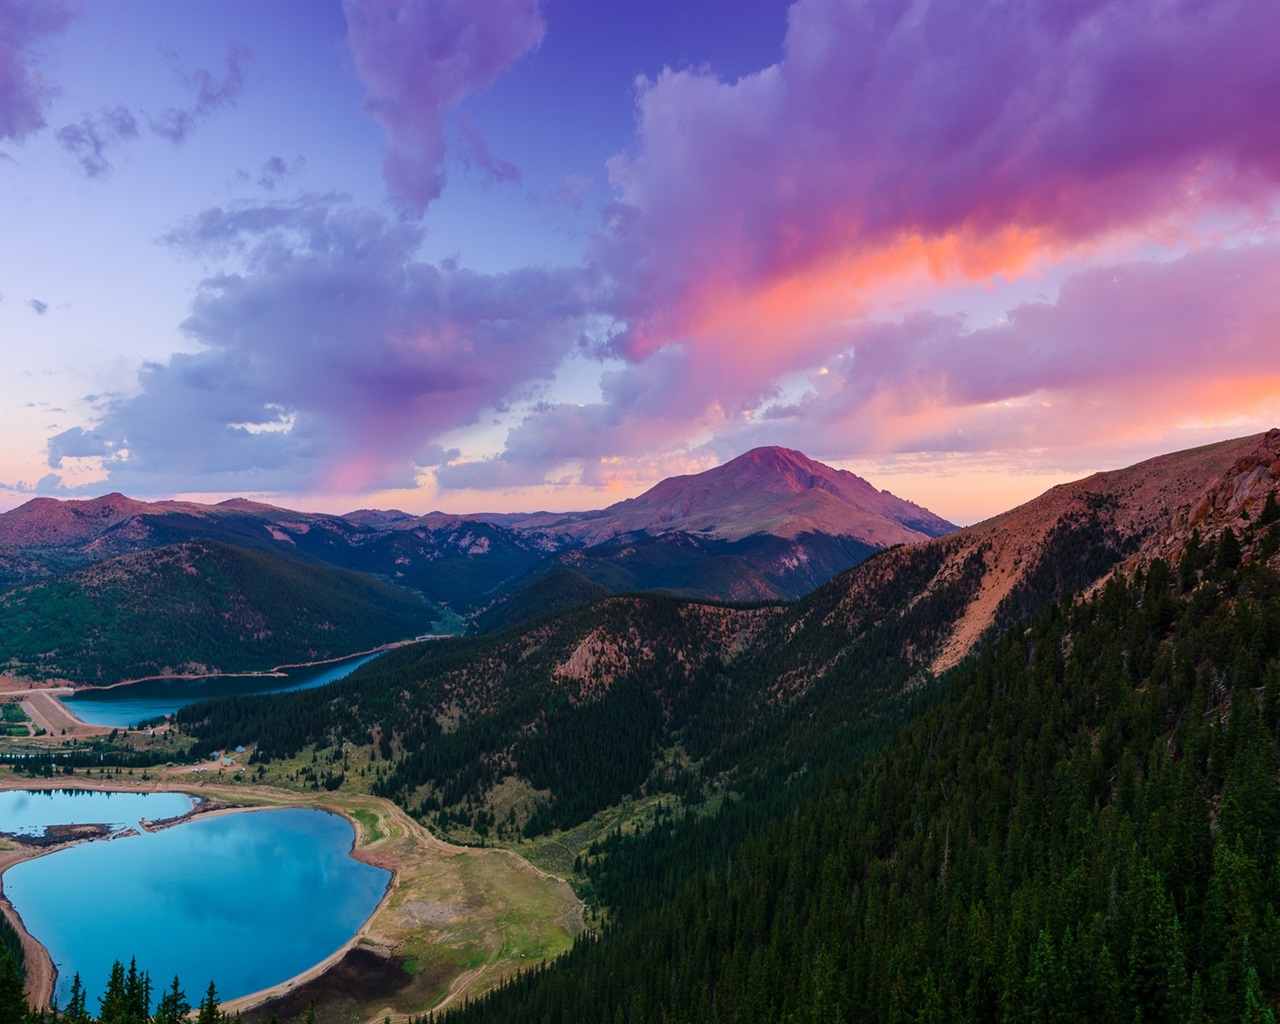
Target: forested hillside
x: 1084, y: 828
x: 1080, y: 821
x: 643, y: 693
x: 198, y: 607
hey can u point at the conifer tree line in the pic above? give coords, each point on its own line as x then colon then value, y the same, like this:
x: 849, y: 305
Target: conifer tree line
x: 1084, y: 827
x: 127, y: 999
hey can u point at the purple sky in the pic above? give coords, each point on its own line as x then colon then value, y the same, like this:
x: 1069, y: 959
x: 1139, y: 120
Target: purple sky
x: 509, y: 255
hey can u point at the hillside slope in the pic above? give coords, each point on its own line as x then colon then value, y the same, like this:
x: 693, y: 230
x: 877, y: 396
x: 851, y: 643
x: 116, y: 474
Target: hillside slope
x: 1063, y: 542
x: 201, y: 607
x: 1083, y: 828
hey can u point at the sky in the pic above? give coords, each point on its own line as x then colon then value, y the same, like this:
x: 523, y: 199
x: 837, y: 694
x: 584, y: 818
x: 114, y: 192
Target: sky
x: 509, y: 255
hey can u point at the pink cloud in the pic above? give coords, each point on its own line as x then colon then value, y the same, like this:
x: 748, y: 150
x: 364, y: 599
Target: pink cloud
x: 886, y: 122
x: 419, y: 61
x: 24, y: 91
x: 1125, y: 351
x: 1125, y: 354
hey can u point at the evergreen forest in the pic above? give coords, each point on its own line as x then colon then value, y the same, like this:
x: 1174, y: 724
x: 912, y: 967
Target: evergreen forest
x: 1079, y: 822
x: 1083, y: 827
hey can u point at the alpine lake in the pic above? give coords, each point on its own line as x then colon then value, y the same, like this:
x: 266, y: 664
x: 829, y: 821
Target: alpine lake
x: 247, y: 899
x: 148, y: 699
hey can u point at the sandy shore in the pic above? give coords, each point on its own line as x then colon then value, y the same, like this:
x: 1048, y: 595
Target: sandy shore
x: 55, y: 718
x: 40, y: 972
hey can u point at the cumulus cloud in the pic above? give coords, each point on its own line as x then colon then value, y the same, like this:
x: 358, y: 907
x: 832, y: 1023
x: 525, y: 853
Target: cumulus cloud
x: 41, y: 308
x: 418, y: 62
x: 332, y: 358
x: 1123, y: 352
x: 77, y: 443
x: 996, y: 127
x: 24, y: 91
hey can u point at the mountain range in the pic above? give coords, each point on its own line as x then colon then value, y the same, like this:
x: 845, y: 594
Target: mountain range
x: 1029, y: 764
x: 768, y: 525
x: 1024, y: 770
x: 747, y: 678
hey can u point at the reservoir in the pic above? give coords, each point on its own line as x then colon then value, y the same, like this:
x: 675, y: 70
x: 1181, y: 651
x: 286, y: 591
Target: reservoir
x: 30, y: 812
x: 131, y: 703
x: 246, y: 899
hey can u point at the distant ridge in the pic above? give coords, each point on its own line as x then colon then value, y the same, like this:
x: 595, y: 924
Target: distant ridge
x: 770, y: 524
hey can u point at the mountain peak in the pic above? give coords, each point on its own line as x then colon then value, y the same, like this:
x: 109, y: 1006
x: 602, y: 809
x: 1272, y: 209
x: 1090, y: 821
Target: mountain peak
x: 792, y: 470
x: 772, y: 491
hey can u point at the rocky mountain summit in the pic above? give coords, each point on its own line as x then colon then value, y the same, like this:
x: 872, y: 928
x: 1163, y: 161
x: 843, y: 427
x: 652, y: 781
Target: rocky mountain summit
x: 769, y: 524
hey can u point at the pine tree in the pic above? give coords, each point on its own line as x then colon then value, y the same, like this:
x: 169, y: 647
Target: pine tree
x: 112, y: 1006
x: 137, y: 994
x: 173, y: 1006
x: 1228, y: 556
x: 13, y: 1000
x: 76, y: 1012
x: 1270, y: 510
x: 209, y: 1013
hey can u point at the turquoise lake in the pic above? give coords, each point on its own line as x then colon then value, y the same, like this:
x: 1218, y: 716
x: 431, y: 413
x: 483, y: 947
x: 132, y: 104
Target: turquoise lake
x: 246, y: 899
x: 138, y: 702
x: 28, y: 813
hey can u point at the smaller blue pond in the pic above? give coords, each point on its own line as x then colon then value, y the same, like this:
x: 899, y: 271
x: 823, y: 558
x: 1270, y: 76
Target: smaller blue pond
x: 29, y: 813
x: 139, y: 702
x: 247, y: 900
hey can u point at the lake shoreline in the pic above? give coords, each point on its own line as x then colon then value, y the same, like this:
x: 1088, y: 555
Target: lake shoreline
x: 450, y: 903
x: 276, y: 672
x: 50, y: 704
x: 42, y: 975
